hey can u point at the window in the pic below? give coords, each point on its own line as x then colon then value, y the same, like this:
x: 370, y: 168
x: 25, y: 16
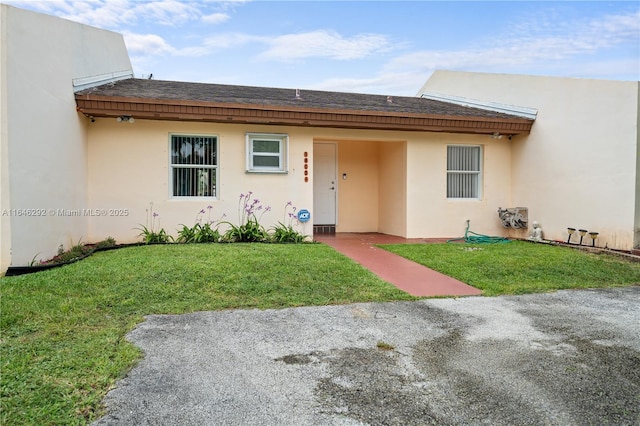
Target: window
x: 267, y: 153
x: 194, y: 166
x: 463, y: 171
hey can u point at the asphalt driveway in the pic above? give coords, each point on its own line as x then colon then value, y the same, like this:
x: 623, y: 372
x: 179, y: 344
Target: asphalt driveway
x: 565, y: 358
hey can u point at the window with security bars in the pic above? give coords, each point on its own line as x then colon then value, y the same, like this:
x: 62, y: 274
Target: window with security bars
x: 266, y: 153
x: 463, y: 171
x: 194, y: 166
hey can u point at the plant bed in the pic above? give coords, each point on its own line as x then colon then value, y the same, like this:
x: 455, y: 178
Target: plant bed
x: 59, y: 260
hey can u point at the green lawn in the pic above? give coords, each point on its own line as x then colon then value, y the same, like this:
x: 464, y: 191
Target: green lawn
x: 521, y: 267
x: 62, y: 331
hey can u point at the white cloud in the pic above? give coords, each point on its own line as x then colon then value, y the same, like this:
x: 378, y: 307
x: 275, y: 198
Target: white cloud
x: 102, y: 14
x: 533, y: 47
x: 323, y: 44
x: 168, y: 12
x: 147, y: 45
x: 116, y: 14
x: 550, y: 48
x: 215, y: 18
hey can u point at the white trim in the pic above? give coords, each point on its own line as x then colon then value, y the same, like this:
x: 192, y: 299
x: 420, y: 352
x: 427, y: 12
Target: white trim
x: 83, y: 83
x: 524, y: 112
x: 478, y: 172
x: 283, y: 154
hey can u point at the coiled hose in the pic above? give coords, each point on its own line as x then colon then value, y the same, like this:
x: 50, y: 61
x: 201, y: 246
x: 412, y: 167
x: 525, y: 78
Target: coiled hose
x: 473, y: 238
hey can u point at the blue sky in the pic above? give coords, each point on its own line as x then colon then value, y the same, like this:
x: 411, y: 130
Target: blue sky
x: 384, y: 47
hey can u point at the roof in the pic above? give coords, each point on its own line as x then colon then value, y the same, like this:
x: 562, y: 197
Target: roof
x: 174, y: 100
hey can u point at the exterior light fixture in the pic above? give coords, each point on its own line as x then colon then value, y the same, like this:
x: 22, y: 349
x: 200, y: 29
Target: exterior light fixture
x: 570, y: 231
x: 582, y: 232
x: 125, y: 119
x: 593, y: 236
x: 496, y: 135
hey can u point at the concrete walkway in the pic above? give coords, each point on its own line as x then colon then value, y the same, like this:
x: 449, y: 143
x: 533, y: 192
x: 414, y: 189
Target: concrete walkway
x: 405, y: 274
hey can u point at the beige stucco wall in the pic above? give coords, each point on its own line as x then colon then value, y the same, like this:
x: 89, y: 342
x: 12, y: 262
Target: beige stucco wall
x: 44, y: 157
x: 129, y: 169
x: 429, y: 212
x: 395, y: 180
x: 578, y: 167
x: 392, y: 194
x: 358, y: 195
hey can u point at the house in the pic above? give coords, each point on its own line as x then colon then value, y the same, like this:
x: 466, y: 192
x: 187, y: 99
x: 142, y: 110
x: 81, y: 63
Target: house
x: 88, y: 151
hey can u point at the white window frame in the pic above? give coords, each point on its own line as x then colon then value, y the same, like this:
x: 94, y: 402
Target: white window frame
x: 213, y: 167
x: 466, y: 169
x: 282, y: 154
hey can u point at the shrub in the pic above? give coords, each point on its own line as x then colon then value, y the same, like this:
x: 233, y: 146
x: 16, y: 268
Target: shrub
x: 148, y: 232
x: 284, y: 232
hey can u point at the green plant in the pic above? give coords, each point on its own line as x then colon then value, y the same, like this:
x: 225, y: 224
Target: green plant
x: 284, y: 232
x: 34, y: 261
x: 385, y: 346
x: 76, y: 251
x: 249, y: 229
x: 150, y: 236
x: 148, y: 232
x: 200, y: 233
x: 107, y: 242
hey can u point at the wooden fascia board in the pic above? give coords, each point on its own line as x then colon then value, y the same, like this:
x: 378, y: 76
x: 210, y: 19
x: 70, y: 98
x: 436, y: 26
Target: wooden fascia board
x: 108, y: 106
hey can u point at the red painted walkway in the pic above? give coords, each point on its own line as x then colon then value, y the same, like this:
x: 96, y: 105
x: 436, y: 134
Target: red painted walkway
x: 405, y: 274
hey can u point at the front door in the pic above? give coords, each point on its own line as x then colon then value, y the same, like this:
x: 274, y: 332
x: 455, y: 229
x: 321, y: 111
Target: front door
x: 324, y: 183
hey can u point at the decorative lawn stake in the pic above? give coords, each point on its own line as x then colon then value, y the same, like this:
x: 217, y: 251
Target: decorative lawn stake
x: 593, y: 236
x: 582, y: 232
x: 570, y: 231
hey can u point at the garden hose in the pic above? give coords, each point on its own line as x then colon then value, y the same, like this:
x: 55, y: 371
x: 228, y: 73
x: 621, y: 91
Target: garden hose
x: 473, y: 238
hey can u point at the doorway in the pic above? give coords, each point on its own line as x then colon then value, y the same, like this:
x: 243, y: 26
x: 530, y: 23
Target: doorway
x: 324, y: 187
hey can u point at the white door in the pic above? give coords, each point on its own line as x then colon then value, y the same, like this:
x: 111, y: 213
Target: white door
x: 324, y: 183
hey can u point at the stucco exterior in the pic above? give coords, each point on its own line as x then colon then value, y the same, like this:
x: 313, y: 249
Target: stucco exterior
x: 43, y: 139
x: 579, y: 165
x: 128, y: 170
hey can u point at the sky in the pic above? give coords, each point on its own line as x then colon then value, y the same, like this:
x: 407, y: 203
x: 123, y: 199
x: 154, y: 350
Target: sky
x: 379, y: 47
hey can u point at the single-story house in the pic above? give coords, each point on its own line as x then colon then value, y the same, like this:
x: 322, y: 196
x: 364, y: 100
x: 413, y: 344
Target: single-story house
x: 88, y: 151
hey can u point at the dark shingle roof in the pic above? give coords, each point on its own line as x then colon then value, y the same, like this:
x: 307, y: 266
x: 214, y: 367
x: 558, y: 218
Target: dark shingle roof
x: 277, y: 97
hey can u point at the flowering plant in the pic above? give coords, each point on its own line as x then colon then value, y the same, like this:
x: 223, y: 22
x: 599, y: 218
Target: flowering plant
x: 284, y: 232
x: 206, y: 232
x: 249, y: 229
x: 149, y: 233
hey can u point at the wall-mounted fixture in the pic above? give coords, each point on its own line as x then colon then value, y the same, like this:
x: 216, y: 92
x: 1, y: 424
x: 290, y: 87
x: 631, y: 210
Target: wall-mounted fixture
x: 516, y: 217
x: 125, y: 119
x: 344, y: 176
x: 498, y: 135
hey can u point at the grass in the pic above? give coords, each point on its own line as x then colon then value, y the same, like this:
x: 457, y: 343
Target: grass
x: 62, y: 330
x: 521, y: 267
x: 62, y: 345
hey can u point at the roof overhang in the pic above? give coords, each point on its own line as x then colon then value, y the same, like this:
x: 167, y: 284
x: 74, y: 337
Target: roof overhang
x: 93, y: 105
